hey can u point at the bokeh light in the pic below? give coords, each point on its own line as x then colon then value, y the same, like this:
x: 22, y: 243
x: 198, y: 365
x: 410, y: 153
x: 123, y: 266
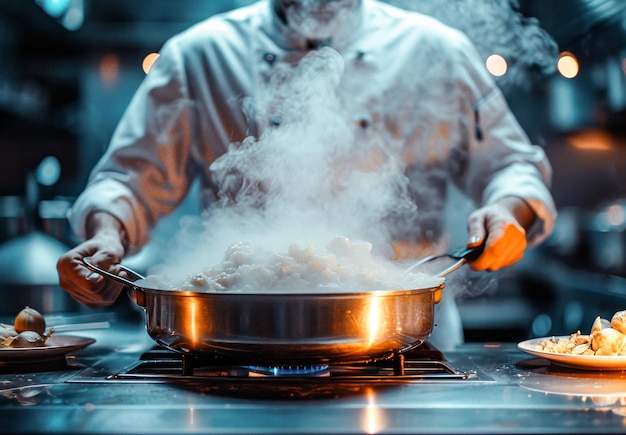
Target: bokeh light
x: 148, y: 61
x: 568, y: 65
x: 496, y: 65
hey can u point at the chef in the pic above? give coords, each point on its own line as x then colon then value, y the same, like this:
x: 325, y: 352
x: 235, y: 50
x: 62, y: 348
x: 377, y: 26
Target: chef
x: 406, y: 74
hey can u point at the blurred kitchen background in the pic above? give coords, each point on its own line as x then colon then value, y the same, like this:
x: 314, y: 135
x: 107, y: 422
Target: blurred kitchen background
x: 69, y: 67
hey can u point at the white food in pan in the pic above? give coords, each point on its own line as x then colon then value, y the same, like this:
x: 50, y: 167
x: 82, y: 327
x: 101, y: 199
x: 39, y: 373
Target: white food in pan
x: 344, y: 265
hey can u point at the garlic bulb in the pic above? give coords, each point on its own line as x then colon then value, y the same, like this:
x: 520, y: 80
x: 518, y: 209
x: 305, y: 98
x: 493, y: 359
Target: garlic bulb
x: 619, y: 321
x: 599, y: 324
x: 30, y: 319
x: 609, y: 338
x: 26, y: 339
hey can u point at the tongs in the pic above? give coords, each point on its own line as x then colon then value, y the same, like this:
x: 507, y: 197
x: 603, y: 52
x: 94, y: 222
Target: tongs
x: 461, y: 255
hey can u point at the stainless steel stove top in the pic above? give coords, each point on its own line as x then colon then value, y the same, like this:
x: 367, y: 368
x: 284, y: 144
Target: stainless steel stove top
x: 479, y: 388
x: 422, y: 363
x: 213, y: 374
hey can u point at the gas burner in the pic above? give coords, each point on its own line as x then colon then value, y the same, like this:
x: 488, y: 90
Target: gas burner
x: 162, y: 365
x: 289, y: 371
x: 217, y: 375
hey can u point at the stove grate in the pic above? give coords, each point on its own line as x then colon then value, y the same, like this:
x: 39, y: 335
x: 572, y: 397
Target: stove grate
x: 164, y: 365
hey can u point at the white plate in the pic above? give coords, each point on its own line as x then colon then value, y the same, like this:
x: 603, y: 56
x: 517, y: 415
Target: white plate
x: 585, y: 362
x: 57, y: 346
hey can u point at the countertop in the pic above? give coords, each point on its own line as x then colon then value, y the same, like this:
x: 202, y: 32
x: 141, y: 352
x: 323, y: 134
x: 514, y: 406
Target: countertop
x: 510, y: 392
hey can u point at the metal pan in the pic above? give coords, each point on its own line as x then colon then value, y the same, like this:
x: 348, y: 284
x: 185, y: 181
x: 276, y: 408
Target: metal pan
x: 289, y: 328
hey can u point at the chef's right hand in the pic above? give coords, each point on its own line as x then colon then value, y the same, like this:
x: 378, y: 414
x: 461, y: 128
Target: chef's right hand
x: 105, y: 247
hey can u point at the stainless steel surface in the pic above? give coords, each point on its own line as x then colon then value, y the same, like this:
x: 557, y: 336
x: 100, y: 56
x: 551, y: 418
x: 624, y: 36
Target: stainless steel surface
x: 513, y: 393
x: 287, y: 328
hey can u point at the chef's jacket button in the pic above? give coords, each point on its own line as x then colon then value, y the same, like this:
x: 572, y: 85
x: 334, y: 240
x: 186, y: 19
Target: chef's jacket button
x: 360, y: 55
x: 269, y: 58
x: 276, y: 121
x: 364, y: 122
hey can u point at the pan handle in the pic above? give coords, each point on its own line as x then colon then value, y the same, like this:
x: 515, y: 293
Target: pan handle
x: 461, y: 255
x: 138, y: 294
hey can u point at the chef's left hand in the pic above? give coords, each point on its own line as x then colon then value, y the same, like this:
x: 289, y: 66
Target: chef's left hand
x: 502, y: 228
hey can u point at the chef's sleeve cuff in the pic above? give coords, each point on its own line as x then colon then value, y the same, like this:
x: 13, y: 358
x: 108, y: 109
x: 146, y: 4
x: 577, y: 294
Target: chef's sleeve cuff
x: 114, y: 199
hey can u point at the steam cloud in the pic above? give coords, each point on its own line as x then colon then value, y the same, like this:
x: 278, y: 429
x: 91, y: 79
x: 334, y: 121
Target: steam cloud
x: 310, y: 175
x: 308, y: 178
x: 496, y: 26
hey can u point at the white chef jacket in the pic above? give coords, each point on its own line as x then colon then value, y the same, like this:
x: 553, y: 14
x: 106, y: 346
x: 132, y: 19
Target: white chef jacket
x: 405, y: 72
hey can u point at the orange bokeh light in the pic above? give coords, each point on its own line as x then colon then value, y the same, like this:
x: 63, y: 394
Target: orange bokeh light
x: 148, y: 62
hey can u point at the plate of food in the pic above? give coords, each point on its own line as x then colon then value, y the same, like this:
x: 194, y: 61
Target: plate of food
x: 604, y: 348
x: 28, y: 341
x: 57, y: 346
x: 585, y: 362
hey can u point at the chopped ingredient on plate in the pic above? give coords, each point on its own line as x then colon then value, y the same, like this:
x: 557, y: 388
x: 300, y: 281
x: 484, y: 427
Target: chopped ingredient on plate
x: 605, y: 339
